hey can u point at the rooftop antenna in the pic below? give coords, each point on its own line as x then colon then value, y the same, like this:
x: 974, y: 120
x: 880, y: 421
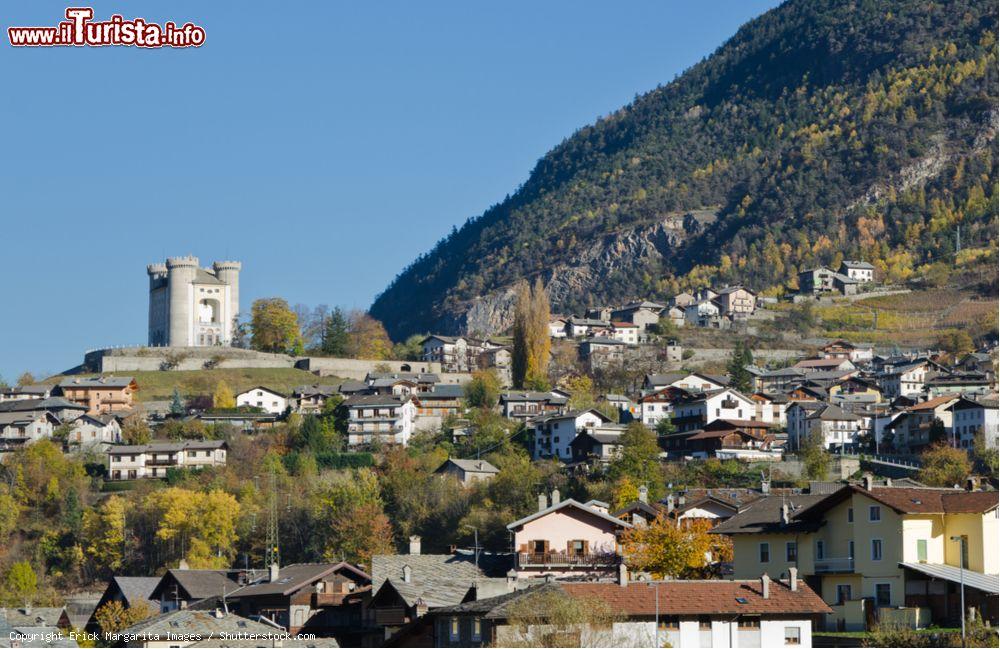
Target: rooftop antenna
x: 271, y: 554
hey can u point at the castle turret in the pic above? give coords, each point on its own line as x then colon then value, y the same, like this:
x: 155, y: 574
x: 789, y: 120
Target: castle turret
x: 157, y: 304
x: 229, y: 272
x: 181, y: 273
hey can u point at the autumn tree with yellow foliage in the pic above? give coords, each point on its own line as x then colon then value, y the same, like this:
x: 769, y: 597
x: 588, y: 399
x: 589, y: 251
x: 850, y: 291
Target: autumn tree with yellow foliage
x: 530, y: 356
x: 667, y: 548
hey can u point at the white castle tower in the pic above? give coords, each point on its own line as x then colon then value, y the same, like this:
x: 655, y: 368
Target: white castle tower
x: 190, y: 306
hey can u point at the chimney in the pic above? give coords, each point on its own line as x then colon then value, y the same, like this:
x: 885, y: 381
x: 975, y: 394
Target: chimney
x: 219, y: 614
x: 643, y: 494
x: 765, y: 586
x: 765, y: 484
x: 273, y: 574
x: 681, y: 500
x: 972, y: 483
x: 784, y: 514
x: 888, y: 482
x: 407, y: 574
x: 183, y: 565
x: 670, y: 503
x: 555, y: 496
x: 543, y: 502
x: 414, y: 544
x: 793, y: 579
x: 867, y: 480
x: 622, y: 575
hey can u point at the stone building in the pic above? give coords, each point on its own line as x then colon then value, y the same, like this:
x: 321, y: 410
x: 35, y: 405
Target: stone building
x: 190, y: 306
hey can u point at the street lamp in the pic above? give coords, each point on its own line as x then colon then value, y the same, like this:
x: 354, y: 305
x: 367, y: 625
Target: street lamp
x: 961, y: 578
x: 656, y: 620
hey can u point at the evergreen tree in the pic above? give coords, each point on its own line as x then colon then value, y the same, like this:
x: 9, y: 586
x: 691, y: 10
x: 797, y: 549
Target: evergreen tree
x: 176, y: 405
x: 739, y: 376
x: 335, y: 334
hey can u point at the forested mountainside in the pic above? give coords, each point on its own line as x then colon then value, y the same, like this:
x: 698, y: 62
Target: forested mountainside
x: 822, y: 129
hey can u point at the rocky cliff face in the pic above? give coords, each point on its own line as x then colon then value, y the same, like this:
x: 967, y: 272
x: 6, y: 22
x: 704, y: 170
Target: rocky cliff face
x: 630, y: 252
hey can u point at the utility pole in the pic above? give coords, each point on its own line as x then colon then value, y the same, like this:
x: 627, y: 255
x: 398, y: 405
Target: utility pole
x: 958, y: 238
x: 271, y: 552
x: 961, y: 578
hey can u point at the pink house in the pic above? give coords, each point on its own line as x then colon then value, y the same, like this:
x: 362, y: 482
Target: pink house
x: 568, y: 538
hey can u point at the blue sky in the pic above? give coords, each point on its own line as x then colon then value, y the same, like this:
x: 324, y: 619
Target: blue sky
x: 325, y: 146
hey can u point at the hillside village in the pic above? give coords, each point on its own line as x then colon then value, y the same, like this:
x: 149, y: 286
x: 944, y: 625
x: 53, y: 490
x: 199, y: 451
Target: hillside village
x: 465, y: 496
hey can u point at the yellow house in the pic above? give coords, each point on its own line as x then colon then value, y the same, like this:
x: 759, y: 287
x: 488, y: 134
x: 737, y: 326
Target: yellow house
x: 877, y: 551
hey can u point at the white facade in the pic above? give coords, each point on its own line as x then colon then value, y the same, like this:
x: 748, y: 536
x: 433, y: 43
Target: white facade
x: 626, y: 333
x: 694, y: 313
x: 385, y: 422
x: 725, y: 404
x: 19, y: 428
x: 554, y: 434
x: 153, y: 460
x: 967, y: 420
x: 190, y: 306
x: 909, y: 382
x: 260, y: 397
x: 92, y: 432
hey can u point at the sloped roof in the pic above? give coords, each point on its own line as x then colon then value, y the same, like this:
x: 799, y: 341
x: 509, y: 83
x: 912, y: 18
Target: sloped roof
x: 563, y: 504
x: 702, y: 597
x: 198, y: 584
x: 970, y: 578
x: 764, y: 515
x: 294, y: 576
x: 197, y: 622
x: 470, y: 466
x: 134, y: 589
x: 96, y: 382
x: 35, y: 616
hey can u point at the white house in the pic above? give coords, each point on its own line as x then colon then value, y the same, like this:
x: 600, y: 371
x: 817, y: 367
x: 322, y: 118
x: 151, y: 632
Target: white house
x: 551, y: 435
x: 696, y: 313
x: 557, y: 328
x: 385, y: 418
x: 970, y: 417
x: 20, y: 428
x: 837, y: 428
x: 904, y: 380
x: 92, y: 432
x: 153, y: 460
x: 698, y: 410
x: 860, y: 271
x: 270, y: 400
x: 625, y: 332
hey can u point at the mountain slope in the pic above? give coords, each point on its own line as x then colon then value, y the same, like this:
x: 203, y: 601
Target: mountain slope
x: 822, y: 128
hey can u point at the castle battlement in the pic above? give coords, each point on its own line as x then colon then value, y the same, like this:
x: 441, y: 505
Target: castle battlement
x: 190, y: 306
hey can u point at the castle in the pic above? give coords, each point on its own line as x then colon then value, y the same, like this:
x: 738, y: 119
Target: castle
x: 190, y: 306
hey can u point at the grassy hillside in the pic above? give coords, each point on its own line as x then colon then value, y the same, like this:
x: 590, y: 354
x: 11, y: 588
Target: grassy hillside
x: 159, y: 386
x: 823, y: 129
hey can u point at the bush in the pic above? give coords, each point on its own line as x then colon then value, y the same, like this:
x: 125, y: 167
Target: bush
x: 344, y: 460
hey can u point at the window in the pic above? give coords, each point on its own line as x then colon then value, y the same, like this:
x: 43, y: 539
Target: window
x: 792, y: 635
x: 791, y: 551
x: 705, y: 622
x: 922, y: 550
x: 765, y: 552
x: 477, y: 629
x: 876, y: 549
x: 670, y: 622
x: 850, y: 514
x: 453, y: 634
x: 874, y: 513
x: 749, y: 622
x: 883, y: 594
x: 843, y: 593
x: 820, y: 550
x: 850, y: 549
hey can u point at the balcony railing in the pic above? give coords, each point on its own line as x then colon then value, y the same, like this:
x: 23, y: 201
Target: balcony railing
x: 161, y: 461
x: 535, y: 559
x: 834, y: 564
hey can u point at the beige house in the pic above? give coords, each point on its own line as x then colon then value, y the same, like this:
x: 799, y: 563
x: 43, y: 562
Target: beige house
x: 101, y: 394
x: 567, y: 539
x: 468, y: 471
x: 887, y: 553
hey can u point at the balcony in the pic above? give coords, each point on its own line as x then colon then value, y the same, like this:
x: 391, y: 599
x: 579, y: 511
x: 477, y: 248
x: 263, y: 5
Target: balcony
x: 564, y: 559
x: 162, y: 461
x: 834, y: 565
